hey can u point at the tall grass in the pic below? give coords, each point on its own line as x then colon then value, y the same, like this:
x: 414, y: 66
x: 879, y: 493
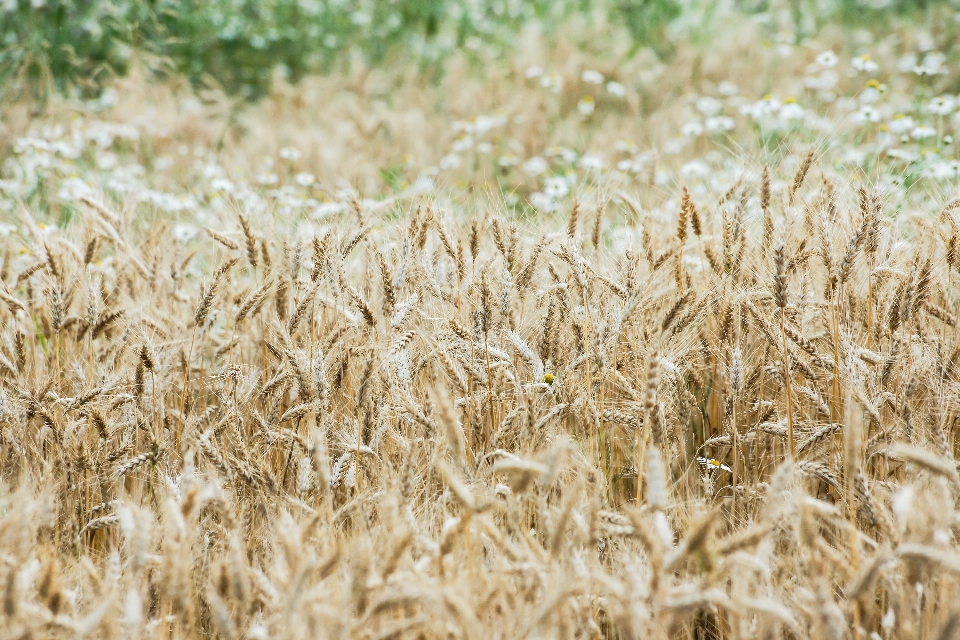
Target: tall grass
x: 435, y: 428
x: 675, y: 402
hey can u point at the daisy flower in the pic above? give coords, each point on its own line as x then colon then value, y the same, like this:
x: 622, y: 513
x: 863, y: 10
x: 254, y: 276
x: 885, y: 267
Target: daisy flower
x: 708, y: 106
x: 901, y: 124
x: 942, y: 105
x: 713, y: 464
x: 727, y: 88
x: 864, y: 63
x: 290, y: 153
x: 536, y: 166
x: 791, y: 110
x: 586, y: 105
x: 593, y: 77
x: 305, y: 179
x: 692, y: 129
x: 616, y: 89
x: 827, y: 59
x: 719, y: 124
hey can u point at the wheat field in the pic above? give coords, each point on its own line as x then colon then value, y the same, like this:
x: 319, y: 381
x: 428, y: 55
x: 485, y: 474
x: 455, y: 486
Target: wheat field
x: 585, y: 347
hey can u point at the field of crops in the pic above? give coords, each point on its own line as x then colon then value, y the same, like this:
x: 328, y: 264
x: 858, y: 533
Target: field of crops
x: 480, y: 319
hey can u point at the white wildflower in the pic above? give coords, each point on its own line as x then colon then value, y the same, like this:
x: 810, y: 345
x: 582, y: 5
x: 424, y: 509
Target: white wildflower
x: 827, y: 59
x: 695, y: 169
x: 555, y: 187
x: 304, y: 179
x: 290, y: 153
x: 907, y: 63
x: 591, y: 162
x: 823, y: 81
x: 586, y: 105
x: 791, y: 110
x: 727, y: 88
x: 708, y: 106
x: 867, y: 113
x: 864, y: 63
x: 184, y: 232
x: 692, y: 129
x: 674, y: 146
x: 536, y: 166
x: 719, y: 124
x: 616, y: 89
x: 543, y: 202
x: 552, y: 81
x: 942, y: 105
x: 901, y: 124
x: 449, y: 162
x: 932, y: 65
x: 593, y: 77
x: 462, y: 144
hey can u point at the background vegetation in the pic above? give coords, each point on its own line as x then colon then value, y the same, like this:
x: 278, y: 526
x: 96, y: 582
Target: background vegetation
x: 240, y: 44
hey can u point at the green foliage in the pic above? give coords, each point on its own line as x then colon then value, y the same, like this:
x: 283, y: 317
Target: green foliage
x: 240, y: 43
x: 808, y: 16
x: 392, y: 176
x: 79, y: 45
x: 647, y: 20
x: 70, y: 43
